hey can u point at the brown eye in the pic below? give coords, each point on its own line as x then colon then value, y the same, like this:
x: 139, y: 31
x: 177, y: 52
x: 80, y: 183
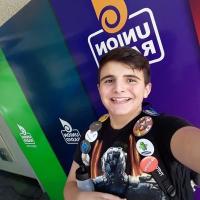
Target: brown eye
x: 130, y: 80
x: 108, y: 81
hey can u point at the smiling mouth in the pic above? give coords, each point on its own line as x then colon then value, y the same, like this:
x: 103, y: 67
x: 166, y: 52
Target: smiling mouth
x: 120, y: 99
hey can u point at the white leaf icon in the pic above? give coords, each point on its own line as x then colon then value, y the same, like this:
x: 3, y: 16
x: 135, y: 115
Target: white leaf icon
x: 66, y: 125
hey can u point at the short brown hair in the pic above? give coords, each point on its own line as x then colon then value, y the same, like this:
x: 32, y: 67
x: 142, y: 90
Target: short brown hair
x: 128, y: 56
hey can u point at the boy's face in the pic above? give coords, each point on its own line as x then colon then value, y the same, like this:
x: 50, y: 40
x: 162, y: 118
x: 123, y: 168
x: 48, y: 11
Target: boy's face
x: 122, y: 89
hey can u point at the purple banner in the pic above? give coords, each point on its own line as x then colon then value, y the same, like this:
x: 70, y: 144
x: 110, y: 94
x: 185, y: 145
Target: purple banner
x: 154, y: 28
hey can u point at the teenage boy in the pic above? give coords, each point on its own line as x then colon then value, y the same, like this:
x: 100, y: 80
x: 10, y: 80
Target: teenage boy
x: 133, y: 152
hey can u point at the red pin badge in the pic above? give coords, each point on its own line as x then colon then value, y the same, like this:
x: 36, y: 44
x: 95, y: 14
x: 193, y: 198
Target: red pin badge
x: 148, y: 164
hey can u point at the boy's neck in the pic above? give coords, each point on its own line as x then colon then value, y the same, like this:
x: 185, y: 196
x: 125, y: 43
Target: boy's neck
x: 118, y: 122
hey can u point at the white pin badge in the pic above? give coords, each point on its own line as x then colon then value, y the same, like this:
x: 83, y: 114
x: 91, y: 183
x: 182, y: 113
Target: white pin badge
x: 145, y: 147
x: 86, y: 159
x: 91, y: 136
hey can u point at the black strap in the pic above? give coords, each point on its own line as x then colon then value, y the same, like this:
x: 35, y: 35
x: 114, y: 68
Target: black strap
x: 160, y: 174
x: 161, y: 177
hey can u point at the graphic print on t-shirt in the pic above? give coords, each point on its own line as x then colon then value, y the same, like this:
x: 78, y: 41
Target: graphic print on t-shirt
x: 115, y: 180
x: 115, y: 160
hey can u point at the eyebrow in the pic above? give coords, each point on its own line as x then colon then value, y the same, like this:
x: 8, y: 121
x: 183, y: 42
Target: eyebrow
x: 127, y: 76
x: 105, y: 77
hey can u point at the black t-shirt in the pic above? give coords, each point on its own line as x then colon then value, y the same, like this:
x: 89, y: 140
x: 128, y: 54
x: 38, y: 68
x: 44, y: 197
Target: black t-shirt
x: 116, y: 170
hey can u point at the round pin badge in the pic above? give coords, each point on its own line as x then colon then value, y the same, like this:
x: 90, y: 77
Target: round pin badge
x: 85, y: 146
x: 103, y: 118
x: 150, y: 111
x: 91, y: 136
x: 145, y: 147
x: 95, y: 126
x: 142, y: 126
x: 85, y: 159
x: 148, y: 164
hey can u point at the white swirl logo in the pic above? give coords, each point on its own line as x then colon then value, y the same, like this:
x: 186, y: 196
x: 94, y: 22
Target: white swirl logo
x: 66, y: 125
x: 71, y: 136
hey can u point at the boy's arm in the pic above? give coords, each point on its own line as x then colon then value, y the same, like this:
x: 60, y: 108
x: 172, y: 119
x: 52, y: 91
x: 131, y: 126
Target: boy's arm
x: 71, y: 190
x: 185, y: 146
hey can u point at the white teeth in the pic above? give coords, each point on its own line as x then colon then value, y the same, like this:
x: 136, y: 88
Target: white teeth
x: 120, y: 99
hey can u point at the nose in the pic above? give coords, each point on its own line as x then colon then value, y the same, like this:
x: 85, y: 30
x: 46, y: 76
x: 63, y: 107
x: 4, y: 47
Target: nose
x: 119, y: 87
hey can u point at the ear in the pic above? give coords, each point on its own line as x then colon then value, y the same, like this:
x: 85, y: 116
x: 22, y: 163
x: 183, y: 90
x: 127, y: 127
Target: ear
x: 147, y: 90
x: 98, y: 86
